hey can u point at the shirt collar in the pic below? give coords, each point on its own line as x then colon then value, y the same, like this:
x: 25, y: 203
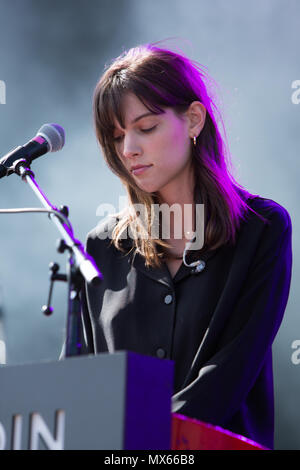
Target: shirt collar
x: 162, y: 275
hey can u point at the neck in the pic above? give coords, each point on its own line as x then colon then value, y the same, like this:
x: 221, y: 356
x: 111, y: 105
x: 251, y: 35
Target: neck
x: 179, y: 191
x: 182, y: 217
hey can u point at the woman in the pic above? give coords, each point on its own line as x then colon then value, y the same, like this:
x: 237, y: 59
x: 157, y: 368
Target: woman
x: 215, y: 307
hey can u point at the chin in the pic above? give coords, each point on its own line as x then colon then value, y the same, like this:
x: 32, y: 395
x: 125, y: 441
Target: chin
x: 148, y: 187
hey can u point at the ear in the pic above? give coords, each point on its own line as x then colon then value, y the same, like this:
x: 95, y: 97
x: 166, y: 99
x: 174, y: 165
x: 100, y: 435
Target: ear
x: 196, y: 115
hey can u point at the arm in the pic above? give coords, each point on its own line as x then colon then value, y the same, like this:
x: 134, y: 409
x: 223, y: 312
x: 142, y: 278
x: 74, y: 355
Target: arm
x: 225, y: 380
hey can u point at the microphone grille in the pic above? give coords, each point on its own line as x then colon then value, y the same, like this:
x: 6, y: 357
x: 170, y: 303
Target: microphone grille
x: 55, y: 136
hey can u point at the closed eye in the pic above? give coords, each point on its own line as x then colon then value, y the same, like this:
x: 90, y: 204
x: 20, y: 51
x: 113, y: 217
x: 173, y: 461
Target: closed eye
x: 118, y: 139
x: 148, y: 130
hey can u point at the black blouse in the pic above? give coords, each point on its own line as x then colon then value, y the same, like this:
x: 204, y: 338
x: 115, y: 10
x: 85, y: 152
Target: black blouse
x: 218, y: 325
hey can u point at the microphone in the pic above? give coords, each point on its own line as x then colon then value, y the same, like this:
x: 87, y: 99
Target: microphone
x: 50, y: 138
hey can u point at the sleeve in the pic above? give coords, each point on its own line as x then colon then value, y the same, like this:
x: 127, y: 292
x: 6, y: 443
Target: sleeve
x: 224, y: 381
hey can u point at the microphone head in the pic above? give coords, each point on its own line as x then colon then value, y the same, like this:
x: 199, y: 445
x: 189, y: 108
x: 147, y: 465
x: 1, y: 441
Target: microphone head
x: 54, y: 135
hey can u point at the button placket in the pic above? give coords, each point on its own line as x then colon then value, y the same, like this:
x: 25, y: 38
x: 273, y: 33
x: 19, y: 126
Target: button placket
x: 168, y: 299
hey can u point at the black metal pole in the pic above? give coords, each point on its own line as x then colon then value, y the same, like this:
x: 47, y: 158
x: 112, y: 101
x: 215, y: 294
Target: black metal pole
x: 74, y: 324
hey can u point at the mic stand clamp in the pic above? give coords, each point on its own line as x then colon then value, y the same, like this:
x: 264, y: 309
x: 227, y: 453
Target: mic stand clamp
x: 54, y: 276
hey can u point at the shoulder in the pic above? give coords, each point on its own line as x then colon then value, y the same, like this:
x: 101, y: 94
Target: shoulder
x: 103, y: 229
x: 99, y: 240
x: 101, y: 236
x: 269, y: 226
x: 275, y: 215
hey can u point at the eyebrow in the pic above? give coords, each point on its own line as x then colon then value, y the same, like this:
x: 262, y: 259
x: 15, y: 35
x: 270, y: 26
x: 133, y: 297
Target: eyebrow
x: 142, y: 116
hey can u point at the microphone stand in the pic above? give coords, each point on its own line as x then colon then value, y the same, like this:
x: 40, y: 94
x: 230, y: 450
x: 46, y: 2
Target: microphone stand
x: 81, y: 266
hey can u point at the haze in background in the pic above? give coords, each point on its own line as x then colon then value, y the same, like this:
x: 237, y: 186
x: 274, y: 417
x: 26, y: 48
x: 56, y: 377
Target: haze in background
x: 51, y: 56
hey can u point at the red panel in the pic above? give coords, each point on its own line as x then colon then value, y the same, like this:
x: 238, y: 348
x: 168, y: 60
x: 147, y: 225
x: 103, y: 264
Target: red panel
x: 191, y: 434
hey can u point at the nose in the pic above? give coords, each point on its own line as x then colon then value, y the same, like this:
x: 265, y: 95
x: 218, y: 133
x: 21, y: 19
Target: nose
x: 130, y: 147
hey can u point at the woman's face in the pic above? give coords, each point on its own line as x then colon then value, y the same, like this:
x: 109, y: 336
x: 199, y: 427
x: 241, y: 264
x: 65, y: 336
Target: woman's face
x: 161, y: 144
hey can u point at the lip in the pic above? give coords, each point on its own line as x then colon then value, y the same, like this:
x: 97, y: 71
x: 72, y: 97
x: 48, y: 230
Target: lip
x: 138, y: 169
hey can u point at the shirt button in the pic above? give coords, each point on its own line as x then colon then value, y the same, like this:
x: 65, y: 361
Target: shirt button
x: 161, y: 353
x: 168, y: 299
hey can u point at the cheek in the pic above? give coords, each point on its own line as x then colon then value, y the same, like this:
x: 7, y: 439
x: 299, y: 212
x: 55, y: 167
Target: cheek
x: 175, y: 144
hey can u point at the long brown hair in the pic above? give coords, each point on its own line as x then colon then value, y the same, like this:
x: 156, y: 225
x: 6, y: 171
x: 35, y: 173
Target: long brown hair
x: 161, y: 78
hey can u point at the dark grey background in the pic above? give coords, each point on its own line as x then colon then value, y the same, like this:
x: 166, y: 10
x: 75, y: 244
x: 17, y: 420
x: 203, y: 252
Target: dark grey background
x: 51, y: 56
